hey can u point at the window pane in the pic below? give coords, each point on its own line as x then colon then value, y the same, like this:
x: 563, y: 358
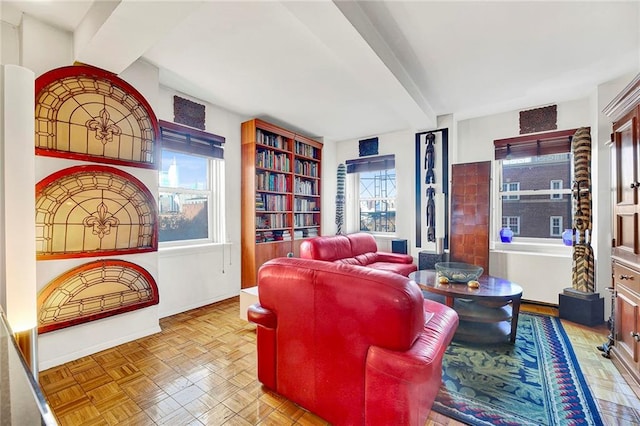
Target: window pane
x: 535, y: 212
x: 182, y: 216
x: 186, y: 171
x: 378, y: 201
x: 184, y: 197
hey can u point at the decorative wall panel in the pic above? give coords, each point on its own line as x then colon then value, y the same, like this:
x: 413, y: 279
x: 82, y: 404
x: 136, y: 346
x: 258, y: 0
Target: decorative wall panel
x: 95, y: 290
x: 470, y: 203
x: 86, y: 113
x: 93, y: 210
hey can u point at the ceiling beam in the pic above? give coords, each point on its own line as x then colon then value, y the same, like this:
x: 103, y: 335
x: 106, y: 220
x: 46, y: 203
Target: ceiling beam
x: 114, y: 34
x: 362, y: 21
x: 361, y: 59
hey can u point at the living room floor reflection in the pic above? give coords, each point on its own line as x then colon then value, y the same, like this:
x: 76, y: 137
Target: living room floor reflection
x: 201, y: 370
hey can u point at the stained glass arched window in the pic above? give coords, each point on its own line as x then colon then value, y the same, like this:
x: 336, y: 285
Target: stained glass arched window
x: 93, y: 210
x: 86, y: 113
x: 95, y: 290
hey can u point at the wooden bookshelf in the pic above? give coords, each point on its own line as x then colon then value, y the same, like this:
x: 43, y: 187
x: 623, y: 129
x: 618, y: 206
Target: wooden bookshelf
x: 281, y: 189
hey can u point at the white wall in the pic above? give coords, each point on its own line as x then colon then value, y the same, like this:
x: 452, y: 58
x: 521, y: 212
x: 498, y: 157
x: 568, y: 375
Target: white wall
x: 474, y: 143
x: 402, y: 144
x: 186, y: 278
x: 542, y: 275
x: 192, y: 277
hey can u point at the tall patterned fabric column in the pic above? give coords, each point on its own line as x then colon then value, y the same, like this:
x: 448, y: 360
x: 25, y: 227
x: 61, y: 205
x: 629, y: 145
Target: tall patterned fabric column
x: 583, y: 263
x: 470, y: 198
x: 342, y: 173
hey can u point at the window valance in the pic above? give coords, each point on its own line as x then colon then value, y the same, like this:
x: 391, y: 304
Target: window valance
x: 190, y: 140
x: 371, y: 164
x: 533, y: 145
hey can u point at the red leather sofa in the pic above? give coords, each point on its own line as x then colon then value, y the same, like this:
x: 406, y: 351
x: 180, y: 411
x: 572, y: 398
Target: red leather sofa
x: 356, y: 249
x: 356, y: 346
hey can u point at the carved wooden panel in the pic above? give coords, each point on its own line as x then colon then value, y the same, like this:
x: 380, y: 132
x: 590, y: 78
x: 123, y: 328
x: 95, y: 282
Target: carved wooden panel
x: 470, y: 201
x: 93, y: 211
x: 86, y: 113
x: 539, y: 119
x: 93, y: 291
x: 188, y: 113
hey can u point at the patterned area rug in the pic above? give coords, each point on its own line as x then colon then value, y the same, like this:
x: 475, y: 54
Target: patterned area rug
x: 537, y: 381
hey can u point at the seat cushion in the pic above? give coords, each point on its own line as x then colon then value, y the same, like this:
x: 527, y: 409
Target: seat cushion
x: 399, y: 268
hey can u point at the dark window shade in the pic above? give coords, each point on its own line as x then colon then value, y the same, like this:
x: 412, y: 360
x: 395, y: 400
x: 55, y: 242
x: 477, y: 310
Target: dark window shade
x: 190, y: 140
x: 532, y: 145
x: 371, y: 164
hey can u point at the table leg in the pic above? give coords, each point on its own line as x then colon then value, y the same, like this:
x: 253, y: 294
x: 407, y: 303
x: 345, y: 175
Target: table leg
x: 449, y: 301
x: 515, y: 312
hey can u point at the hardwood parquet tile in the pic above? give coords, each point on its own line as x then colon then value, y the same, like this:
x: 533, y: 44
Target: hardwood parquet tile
x: 201, y: 370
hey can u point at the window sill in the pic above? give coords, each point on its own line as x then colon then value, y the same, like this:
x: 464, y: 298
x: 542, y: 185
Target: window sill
x: 192, y: 248
x: 555, y: 250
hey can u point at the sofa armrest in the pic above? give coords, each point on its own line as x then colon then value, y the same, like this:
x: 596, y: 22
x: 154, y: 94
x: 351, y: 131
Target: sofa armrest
x: 383, y: 256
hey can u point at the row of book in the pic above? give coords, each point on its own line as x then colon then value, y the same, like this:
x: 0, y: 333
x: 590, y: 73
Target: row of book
x: 268, y: 236
x: 271, y: 160
x: 272, y: 182
x: 271, y: 220
x: 304, y: 205
x: 306, y: 187
x: 271, y: 202
x: 306, y: 150
x: 307, y: 168
x: 270, y: 139
x: 301, y: 219
x: 285, y: 235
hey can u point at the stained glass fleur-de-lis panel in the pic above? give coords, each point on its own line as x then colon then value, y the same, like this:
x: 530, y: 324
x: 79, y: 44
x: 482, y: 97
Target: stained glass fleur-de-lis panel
x: 91, y: 211
x: 86, y: 113
x: 95, y: 290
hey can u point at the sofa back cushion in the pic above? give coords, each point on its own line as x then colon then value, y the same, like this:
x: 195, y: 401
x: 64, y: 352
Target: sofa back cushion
x: 329, y: 248
x: 362, y: 243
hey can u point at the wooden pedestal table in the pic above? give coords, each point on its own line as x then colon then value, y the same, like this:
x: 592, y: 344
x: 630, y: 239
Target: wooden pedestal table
x: 488, y: 314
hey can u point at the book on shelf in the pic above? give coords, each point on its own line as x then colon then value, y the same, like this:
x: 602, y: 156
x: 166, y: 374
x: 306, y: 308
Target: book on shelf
x: 284, y: 235
x: 259, y: 202
x: 310, y: 232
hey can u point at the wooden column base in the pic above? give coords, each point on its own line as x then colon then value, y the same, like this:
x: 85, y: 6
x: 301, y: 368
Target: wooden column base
x: 27, y: 343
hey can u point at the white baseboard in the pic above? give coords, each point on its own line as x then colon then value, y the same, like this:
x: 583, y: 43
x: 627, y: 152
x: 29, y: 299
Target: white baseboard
x: 200, y: 303
x: 54, y: 362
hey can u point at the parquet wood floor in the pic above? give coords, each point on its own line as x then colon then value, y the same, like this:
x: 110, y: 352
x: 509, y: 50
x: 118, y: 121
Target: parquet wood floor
x: 201, y: 370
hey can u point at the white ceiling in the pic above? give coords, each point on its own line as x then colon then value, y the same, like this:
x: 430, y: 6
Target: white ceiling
x: 342, y: 70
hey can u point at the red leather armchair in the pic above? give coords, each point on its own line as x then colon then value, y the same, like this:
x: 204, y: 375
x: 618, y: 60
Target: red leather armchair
x: 356, y: 249
x: 355, y: 346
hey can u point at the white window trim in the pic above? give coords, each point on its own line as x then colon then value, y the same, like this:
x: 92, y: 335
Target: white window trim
x: 215, y: 213
x: 509, y: 223
x: 560, y: 227
x: 556, y: 195
x: 352, y: 207
x: 505, y: 192
x: 523, y: 244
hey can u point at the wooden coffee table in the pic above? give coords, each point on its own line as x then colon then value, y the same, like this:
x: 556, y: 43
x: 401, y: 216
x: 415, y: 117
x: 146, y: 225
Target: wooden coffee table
x: 488, y: 314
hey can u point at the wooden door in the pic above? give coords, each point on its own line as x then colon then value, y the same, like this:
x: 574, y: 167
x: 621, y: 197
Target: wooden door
x: 470, y: 201
x: 627, y: 182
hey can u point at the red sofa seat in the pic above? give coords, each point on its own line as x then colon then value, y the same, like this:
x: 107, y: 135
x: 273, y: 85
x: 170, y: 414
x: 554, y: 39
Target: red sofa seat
x: 356, y: 249
x: 356, y: 346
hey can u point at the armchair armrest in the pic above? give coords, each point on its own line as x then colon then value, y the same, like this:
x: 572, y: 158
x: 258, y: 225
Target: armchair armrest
x: 262, y: 316
x: 266, y: 321
x: 393, y: 257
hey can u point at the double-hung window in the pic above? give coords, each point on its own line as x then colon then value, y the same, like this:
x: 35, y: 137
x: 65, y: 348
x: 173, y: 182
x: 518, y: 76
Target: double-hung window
x: 191, y: 182
x: 534, y: 174
x: 376, y: 193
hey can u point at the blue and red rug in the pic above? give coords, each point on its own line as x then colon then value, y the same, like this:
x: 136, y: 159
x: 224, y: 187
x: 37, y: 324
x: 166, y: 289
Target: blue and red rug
x: 537, y: 381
